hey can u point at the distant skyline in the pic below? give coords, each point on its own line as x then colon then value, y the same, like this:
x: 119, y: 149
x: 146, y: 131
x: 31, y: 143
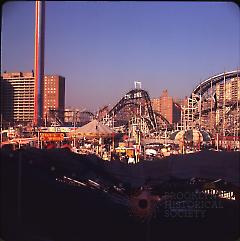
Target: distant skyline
x: 101, y: 48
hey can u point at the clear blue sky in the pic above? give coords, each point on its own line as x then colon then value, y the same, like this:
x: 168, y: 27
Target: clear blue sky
x: 103, y: 47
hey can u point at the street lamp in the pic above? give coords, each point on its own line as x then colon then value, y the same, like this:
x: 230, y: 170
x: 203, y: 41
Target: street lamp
x: 74, y: 125
x: 1, y: 130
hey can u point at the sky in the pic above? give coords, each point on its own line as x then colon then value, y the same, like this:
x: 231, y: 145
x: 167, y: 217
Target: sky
x: 101, y: 48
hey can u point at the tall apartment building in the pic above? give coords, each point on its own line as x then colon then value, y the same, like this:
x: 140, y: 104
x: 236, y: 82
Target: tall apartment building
x: 231, y: 90
x: 53, y: 93
x: 156, y: 104
x: 181, y: 101
x: 166, y: 106
x: 227, y: 94
x: 17, y: 95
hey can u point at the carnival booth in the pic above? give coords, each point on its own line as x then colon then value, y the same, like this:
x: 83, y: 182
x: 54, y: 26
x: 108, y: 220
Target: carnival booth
x: 92, y: 136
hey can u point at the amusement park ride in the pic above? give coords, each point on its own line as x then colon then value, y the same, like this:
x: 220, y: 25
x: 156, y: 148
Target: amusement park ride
x: 213, y: 106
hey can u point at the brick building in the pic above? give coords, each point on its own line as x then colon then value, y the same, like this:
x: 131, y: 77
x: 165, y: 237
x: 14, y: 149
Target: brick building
x: 17, y: 95
x: 167, y: 107
x: 53, y: 93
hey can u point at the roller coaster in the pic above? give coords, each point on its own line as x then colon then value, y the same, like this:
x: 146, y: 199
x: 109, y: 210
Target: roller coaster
x: 204, y: 86
x: 137, y: 103
x: 214, y: 104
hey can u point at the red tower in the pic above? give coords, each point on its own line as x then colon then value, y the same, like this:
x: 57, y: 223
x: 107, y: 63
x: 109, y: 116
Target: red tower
x: 39, y: 62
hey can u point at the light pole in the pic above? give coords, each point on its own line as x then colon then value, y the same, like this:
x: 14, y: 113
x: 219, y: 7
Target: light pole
x: 138, y: 143
x: 1, y: 131
x: 19, y: 195
x: 217, y: 141
x: 74, y: 125
x: 237, y: 125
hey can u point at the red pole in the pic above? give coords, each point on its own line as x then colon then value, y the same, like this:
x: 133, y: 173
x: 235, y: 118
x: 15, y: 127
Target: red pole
x: 39, y: 61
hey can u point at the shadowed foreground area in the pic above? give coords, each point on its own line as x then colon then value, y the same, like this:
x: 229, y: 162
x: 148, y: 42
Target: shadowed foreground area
x: 35, y: 206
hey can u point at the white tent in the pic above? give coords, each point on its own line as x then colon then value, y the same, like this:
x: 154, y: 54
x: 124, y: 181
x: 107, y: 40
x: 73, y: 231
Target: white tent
x: 93, y: 129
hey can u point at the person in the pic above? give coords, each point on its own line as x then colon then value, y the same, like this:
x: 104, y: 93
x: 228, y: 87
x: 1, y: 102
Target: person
x: 131, y: 160
x: 105, y: 156
x: 126, y: 159
x: 74, y: 149
x: 114, y: 156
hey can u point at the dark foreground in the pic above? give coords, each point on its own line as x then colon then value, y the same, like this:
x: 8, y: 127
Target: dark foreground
x: 35, y: 205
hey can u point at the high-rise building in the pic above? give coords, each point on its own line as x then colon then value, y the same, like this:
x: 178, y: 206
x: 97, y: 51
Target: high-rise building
x: 226, y: 94
x: 230, y: 91
x: 53, y: 93
x: 17, y: 95
x: 156, y: 104
x: 181, y: 101
x: 166, y: 107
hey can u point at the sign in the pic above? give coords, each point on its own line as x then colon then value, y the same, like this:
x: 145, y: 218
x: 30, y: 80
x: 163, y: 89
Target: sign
x: 50, y: 136
x: 57, y: 129
x: 122, y: 144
